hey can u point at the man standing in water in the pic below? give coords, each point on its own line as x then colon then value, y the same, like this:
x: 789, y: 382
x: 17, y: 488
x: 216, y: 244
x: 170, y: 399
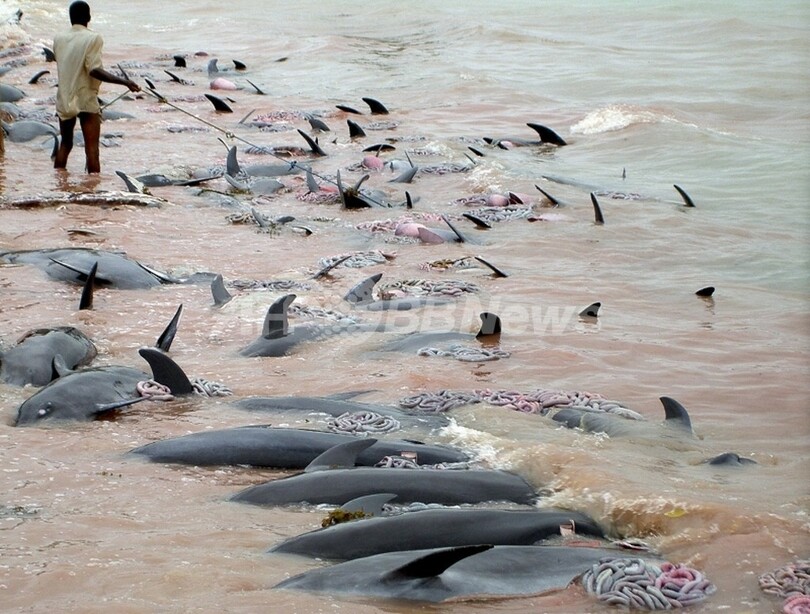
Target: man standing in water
x: 78, y: 60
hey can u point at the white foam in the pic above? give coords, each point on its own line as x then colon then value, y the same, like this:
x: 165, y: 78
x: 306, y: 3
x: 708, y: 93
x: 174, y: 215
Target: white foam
x: 616, y: 117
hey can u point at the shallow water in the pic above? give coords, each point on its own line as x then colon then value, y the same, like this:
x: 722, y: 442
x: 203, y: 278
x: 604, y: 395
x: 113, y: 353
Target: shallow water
x: 707, y: 96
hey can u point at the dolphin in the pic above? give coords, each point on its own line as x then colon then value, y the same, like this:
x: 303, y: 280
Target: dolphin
x: 335, y: 406
x: 278, y: 338
x: 41, y: 354
x: 488, y: 333
x: 547, y: 137
x: 730, y: 459
x: 436, y: 528
x: 234, y: 169
x: 27, y: 130
x: 362, y: 295
x: 86, y: 394
x: 614, y: 425
x: 321, y: 484
x: 9, y: 93
x: 281, y: 448
x: 73, y: 265
x: 451, y: 574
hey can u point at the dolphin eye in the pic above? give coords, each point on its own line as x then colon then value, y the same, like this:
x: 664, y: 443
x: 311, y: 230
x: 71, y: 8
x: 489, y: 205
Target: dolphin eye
x: 44, y: 411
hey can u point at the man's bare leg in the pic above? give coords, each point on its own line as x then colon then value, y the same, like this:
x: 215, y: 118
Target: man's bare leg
x: 91, y: 129
x: 66, y: 127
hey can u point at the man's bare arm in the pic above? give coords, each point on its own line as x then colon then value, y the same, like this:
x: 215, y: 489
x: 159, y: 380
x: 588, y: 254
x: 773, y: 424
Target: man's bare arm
x: 108, y: 77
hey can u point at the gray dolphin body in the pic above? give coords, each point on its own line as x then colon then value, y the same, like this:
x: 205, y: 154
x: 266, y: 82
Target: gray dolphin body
x: 337, y: 486
x: 9, y: 93
x: 282, y: 448
x: 41, y: 353
x: 472, y: 572
x: 362, y: 296
x: 27, y: 130
x: 84, y: 395
x: 676, y: 418
x: 336, y: 407
x: 73, y: 265
x: 489, y: 332
x: 436, y: 528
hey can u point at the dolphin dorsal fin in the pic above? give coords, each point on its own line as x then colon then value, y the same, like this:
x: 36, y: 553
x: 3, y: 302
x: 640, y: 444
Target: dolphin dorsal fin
x: 676, y: 413
x: 435, y: 563
x: 591, y: 311
x: 58, y: 367
x: 687, y: 200
x: 313, y: 144
x: 377, y: 108
x: 312, y: 185
x: 167, y: 372
x: 341, y: 456
x: 490, y: 325
x: 456, y: 231
x: 547, y: 135
x: 275, y: 322
x: 370, y: 505
x: 232, y: 164
x: 598, y: 218
x: 364, y: 291
x: 220, y: 294
x: 164, y: 342
x: 86, y: 301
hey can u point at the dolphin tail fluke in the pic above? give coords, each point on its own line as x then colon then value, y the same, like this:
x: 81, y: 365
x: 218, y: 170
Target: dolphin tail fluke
x: 86, y: 301
x: 547, y: 135
x: 167, y: 372
x: 369, y: 505
x: 687, y: 201
x: 220, y: 294
x: 364, y: 291
x: 377, y: 108
x: 597, y: 211
x: 275, y: 322
x: 313, y: 144
x: 490, y: 325
x: 341, y: 456
x: 676, y: 413
x: 433, y: 564
x: 164, y: 342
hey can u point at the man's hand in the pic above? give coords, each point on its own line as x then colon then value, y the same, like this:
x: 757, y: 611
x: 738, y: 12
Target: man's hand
x: 133, y: 87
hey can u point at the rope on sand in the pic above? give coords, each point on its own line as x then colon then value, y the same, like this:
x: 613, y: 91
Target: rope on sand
x: 402, y: 462
x: 207, y: 388
x: 634, y: 582
x: 154, y: 391
x: 465, y: 353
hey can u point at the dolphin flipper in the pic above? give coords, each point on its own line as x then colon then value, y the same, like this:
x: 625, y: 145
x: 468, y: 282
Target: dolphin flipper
x: 86, y: 301
x: 275, y: 322
x: 101, y: 408
x: 167, y: 372
x: 364, y: 291
x: 58, y: 367
x: 164, y: 342
x: 221, y: 295
x: 676, y: 413
x: 341, y: 456
x: 433, y: 564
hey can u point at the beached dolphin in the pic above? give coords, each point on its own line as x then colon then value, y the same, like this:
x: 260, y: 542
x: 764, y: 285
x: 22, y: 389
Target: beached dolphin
x: 236, y: 170
x: 73, y: 265
x: 281, y: 448
x: 40, y: 355
x: 9, y: 93
x: 547, y: 137
x: 321, y: 484
x: 26, y: 130
x: 86, y: 394
x: 614, y: 425
x: 437, y: 528
x: 730, y: 459
x: 278, y: 338
x: 362, y: 295
x: 488, y: 333
x: 452, y: 574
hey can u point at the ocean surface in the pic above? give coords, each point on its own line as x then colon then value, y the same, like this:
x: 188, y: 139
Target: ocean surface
x: 710, y: 96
